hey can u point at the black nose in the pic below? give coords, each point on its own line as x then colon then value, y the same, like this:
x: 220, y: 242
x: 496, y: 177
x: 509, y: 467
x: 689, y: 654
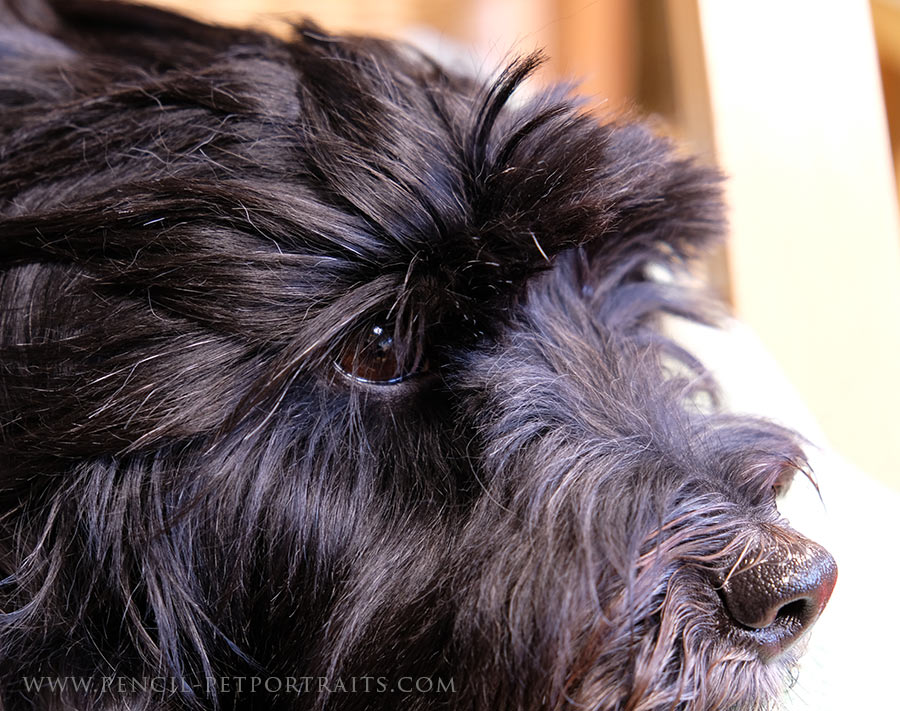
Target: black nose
x: 777, y: 592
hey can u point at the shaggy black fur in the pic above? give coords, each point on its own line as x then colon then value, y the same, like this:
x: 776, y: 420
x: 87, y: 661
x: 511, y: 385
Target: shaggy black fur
x: 321, y: 363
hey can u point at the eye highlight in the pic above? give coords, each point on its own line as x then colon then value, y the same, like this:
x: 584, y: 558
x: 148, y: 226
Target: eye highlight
x: 377, y: 359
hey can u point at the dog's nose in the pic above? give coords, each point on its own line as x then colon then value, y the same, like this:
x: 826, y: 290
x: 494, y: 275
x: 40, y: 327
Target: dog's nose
x: 777, y: 593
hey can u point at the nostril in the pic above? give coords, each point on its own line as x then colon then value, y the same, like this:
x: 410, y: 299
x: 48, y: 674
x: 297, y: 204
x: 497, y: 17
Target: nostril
x: 776, y: 594
x: 796, y: 611
x: 757, y: 608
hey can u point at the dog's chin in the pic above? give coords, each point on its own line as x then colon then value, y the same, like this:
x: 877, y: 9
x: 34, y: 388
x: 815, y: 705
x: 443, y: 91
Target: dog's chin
x: 747, y: 669
x: 720, y: 677
x: 712, y: 662
x: 773, y: 646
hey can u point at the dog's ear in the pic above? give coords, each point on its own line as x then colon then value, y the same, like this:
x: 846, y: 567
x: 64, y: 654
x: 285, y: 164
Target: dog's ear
x: 34, y: 14
x: 31, y: 55
x: 135, y: 34
x: 27, y: 28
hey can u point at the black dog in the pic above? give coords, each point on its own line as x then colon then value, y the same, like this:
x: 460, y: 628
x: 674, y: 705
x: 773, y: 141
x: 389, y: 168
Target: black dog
x: 332, y: 380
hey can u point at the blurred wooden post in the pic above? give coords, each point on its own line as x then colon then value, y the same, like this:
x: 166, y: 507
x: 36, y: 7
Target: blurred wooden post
x: 796, y: 111
x: 596, y: 44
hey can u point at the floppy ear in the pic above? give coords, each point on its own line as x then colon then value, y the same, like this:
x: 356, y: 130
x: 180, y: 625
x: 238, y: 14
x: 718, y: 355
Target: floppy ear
x: 30, y: 54
x: 35, y: 14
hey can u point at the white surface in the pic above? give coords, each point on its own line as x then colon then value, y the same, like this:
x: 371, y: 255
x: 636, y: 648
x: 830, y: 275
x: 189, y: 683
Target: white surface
x: 813, y: 241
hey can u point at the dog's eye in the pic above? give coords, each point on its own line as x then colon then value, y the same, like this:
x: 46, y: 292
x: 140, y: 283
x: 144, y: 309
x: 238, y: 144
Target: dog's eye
x: 375, y: 359
x: 783, y: 481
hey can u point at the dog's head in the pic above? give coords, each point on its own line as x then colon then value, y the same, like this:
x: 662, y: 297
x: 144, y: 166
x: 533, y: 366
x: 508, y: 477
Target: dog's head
x: 318, y: 360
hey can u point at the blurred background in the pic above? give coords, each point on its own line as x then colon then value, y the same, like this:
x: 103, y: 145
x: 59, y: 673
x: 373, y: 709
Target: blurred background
x: 798, y: 102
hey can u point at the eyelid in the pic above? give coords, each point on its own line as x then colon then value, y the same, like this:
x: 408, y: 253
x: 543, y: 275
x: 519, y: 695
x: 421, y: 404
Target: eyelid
x: 366, y: 381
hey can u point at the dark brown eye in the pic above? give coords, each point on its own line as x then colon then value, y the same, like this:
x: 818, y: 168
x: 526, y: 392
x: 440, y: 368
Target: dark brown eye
x: 375, y: 359
x: 783, y: 481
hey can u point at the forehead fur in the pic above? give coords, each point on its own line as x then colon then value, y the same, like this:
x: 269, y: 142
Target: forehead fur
x: 336, y: 161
